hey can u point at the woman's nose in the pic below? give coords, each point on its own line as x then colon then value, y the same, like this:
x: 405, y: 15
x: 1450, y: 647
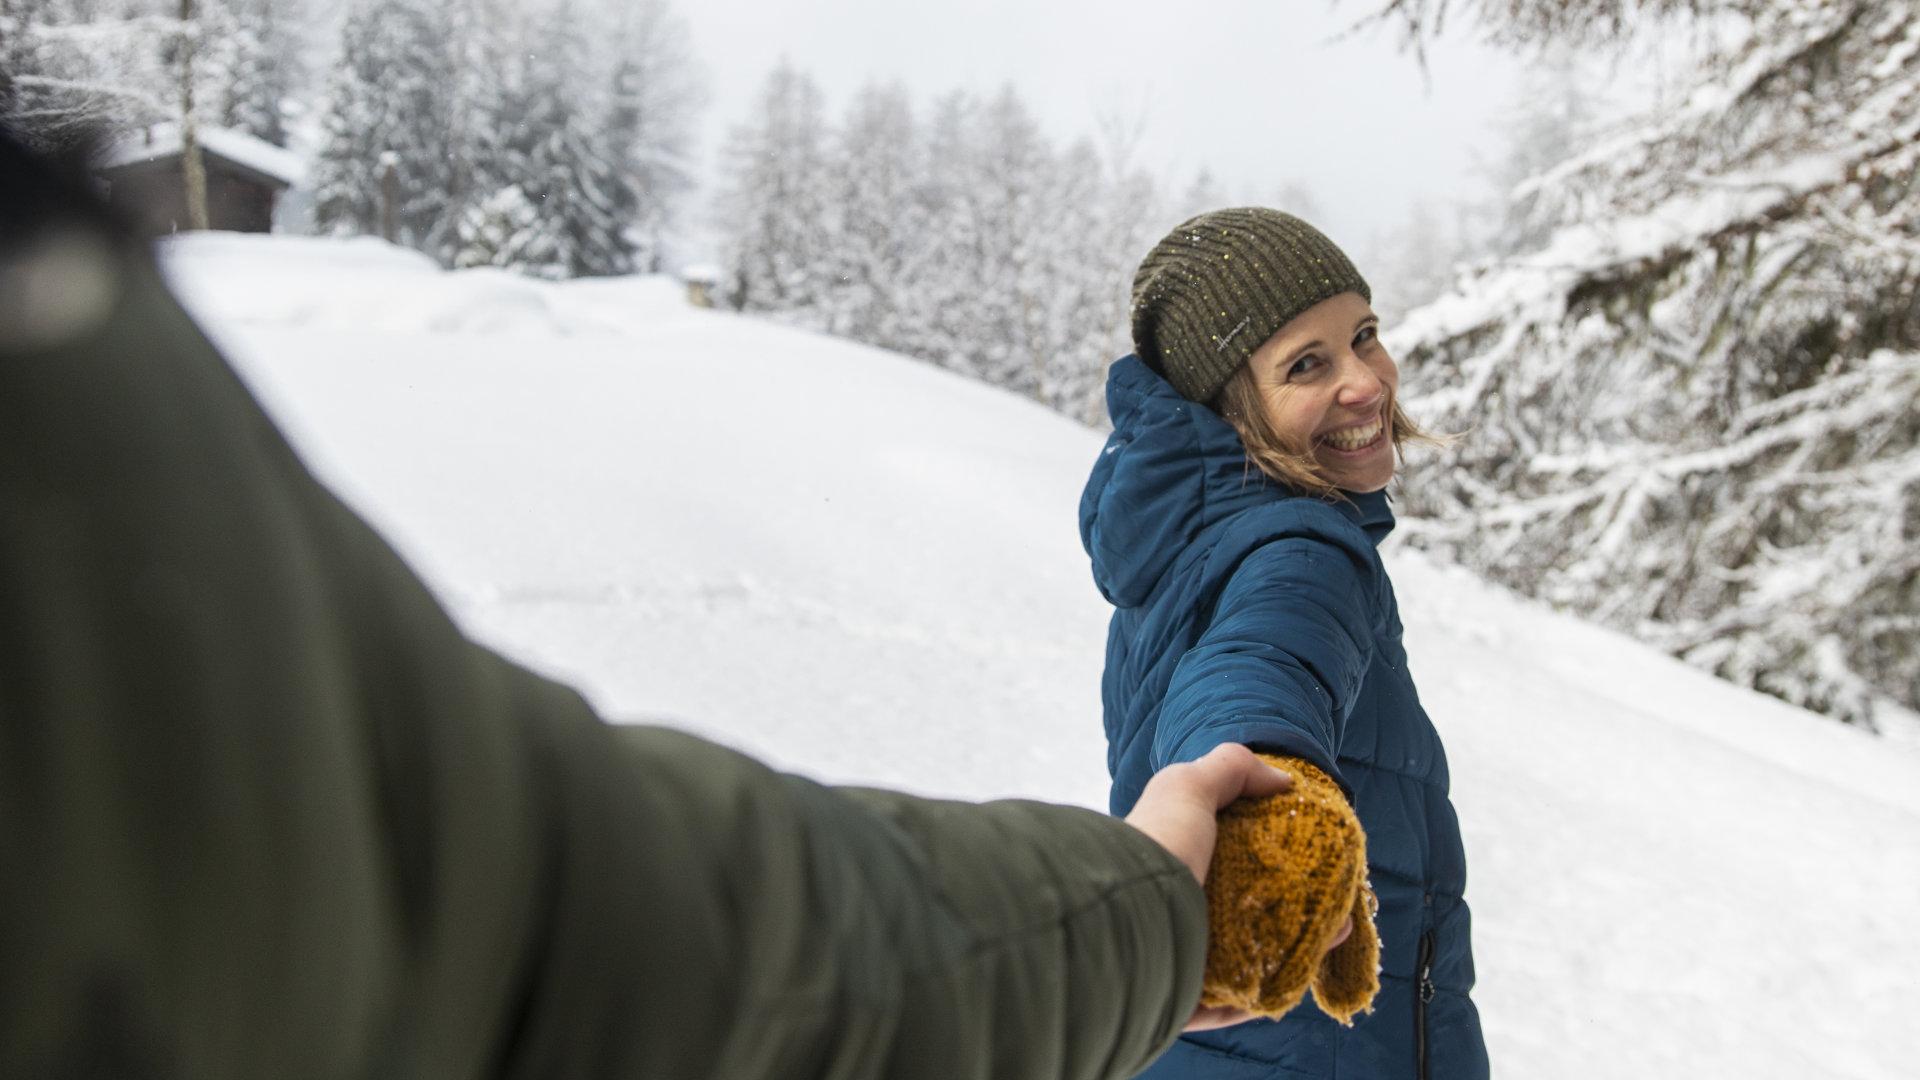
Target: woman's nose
x: 1360, y: 387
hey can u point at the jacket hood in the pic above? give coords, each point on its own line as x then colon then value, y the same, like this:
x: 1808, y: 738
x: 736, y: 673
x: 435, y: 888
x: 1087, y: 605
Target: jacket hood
x: 1170, y: 470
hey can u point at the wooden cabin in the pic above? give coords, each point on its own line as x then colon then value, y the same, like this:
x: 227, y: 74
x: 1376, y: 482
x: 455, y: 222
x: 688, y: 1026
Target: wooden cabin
x: 144, y: 177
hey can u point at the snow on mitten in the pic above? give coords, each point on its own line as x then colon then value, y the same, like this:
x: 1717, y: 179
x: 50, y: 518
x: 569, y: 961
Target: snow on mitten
x: 1287, y: 870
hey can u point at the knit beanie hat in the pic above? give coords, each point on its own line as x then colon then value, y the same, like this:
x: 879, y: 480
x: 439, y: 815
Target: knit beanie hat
x: 1287, y: 870
x: 1216, y: 288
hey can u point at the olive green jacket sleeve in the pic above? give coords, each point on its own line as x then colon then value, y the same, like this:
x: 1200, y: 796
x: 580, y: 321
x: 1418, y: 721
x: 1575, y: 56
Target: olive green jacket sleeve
x: 264, y: 812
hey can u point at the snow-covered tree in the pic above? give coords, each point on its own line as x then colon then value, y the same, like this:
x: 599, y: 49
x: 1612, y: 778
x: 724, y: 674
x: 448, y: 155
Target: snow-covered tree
x: 967, y: 240
x: 557, y: 153
x: 72, y: 71
x: 1078, y: 296
x: 657, y: 94
x: 252, y: 65
x: 505, y: 230
x: 577, y: 109
x: 879, y: 229
x: 1107, y: 213
x: 1413, y: 262
x: 392, y: 92
x: 1010, y: 167
x: 1296, y: 197
x: 1553, y: 116
x: 942, y: 280
x: 1204, y: 194
x: 497, y: 224
x: 773, y: 208
x: 1695, y: 412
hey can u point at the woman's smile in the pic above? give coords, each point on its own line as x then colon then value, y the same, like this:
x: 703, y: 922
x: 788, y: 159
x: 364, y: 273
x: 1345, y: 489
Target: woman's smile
x: 1356, y: 440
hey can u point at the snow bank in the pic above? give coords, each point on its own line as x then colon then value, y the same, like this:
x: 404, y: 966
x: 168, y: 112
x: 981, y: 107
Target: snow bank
x: 860, y: 565
x: 866, y: 569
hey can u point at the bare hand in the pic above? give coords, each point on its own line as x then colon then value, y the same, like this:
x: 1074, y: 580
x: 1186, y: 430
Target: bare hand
x: 1179, y: 808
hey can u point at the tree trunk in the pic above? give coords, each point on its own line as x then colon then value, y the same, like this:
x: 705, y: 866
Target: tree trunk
x: 390, y: 196
x: 194, y: 168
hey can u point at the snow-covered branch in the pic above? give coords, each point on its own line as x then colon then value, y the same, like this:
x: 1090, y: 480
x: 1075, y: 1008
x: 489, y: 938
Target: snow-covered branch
x: 1696, y: 413
x: 92, y: 89
x: 103, y: 33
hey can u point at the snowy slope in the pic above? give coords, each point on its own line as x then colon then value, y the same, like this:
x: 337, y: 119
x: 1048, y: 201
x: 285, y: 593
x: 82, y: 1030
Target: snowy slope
x: 866, y: 569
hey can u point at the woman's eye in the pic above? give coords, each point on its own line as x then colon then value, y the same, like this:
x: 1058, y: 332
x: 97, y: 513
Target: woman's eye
x: 1366, y: 334
x: 1303, y: 366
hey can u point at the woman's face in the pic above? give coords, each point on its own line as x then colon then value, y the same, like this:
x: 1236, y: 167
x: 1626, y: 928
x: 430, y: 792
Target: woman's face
x: 1328, y: 387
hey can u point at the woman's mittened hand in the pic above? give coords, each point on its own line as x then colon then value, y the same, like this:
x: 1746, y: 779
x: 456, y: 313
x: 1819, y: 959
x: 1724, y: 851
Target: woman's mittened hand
x: 1179, y: 809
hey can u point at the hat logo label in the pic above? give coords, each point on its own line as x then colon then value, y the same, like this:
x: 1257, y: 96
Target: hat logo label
x: 1234, y: 333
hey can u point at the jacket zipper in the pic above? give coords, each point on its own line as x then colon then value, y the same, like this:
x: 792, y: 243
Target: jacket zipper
x: 1423, y: 988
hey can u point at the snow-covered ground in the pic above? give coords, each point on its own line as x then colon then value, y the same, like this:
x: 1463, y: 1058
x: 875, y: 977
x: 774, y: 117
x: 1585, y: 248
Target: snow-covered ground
x: 868, y: 570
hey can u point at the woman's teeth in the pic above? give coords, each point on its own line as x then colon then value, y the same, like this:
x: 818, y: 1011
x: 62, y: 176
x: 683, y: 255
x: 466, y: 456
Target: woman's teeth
x: 1352, y: 438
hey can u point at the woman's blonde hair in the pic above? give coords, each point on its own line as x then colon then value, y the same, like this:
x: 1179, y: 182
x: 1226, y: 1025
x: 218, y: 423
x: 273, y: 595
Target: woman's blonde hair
x: 1239, y: 404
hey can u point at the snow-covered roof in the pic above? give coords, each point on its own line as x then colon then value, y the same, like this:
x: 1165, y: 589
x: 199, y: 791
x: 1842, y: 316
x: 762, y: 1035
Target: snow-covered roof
x: 163, y: 140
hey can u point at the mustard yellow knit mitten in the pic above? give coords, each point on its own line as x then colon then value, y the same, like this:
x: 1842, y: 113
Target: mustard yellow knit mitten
x: 1287, y: 871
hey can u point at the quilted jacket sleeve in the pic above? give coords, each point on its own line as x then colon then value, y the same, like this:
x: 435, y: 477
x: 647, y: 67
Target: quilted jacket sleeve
x: 1281, y: 661
x: 264, y: 811
x: 865, y: 933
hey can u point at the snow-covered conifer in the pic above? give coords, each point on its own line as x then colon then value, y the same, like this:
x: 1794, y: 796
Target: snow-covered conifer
x: 657, y: 94
x: 556, y: 153
x: 72, y: 71
x: 1695, y: 411
x: 773, y: 207
x: 252, y: 65
x: 967, y: 240
x: 392, y: 92
x: 505, y: 230
x: 1080, y: 299
x: 879, y: 228
x: 942, y: 280
x: 1102, y: 210
x: 1413, y: 261
x: 1552, y: 117
x: 1204, y: 194
x: 1134, y: 214
x: 1006, y: 171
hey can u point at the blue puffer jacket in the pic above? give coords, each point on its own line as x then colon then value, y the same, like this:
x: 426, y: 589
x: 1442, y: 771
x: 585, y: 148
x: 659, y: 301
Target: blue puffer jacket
x: 1244, y: 614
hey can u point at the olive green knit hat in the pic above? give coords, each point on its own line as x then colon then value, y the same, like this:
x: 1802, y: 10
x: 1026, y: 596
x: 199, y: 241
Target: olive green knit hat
x: 1216, y: 288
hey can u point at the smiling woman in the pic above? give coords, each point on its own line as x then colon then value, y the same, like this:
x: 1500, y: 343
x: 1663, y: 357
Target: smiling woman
x: 1232, y: 521
x: 1300, y: 373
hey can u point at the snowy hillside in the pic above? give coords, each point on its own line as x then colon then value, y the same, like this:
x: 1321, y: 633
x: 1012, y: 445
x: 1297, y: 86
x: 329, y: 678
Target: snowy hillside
x: 867, y: 569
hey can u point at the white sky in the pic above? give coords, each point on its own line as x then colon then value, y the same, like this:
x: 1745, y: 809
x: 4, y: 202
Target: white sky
x: 1255, y: 90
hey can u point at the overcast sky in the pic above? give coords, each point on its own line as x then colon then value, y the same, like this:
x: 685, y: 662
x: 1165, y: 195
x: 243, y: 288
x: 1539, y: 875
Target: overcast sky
x: 1255, y: 90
